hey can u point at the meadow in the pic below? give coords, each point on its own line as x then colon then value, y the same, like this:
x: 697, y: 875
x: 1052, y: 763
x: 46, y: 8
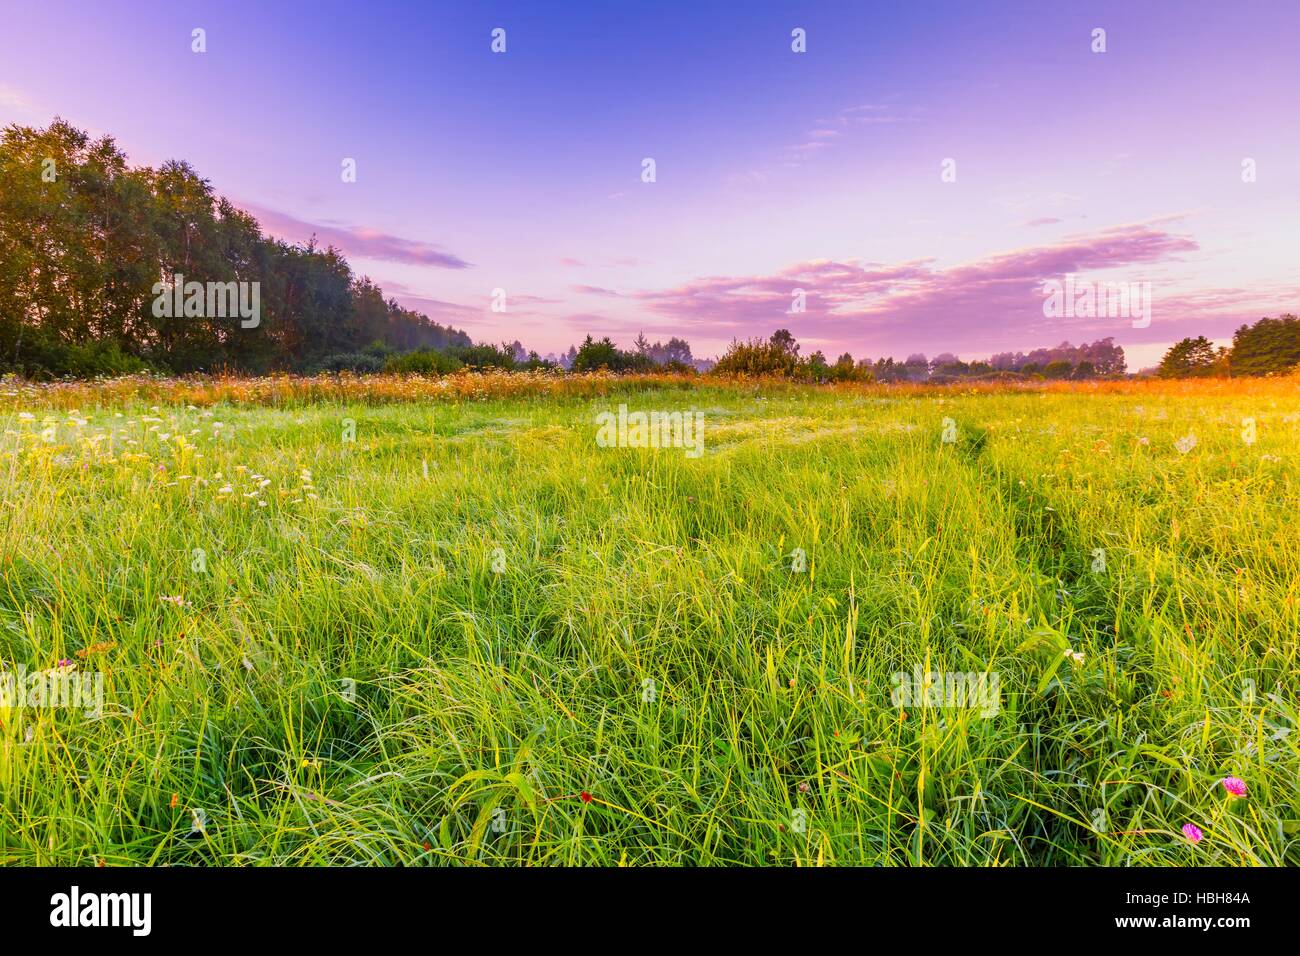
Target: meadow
x: 425, y: 622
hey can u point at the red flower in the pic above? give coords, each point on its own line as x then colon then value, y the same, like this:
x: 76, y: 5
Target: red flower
x: 586, y: 797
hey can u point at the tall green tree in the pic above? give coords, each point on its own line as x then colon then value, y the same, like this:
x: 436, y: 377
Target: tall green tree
x: 1188, y: 358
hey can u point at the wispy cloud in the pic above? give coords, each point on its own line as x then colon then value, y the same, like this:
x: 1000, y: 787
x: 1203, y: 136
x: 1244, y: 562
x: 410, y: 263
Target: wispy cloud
x: 989, y: 303
x: 831, y: 129
x: 13, y: 100
x: 358, y: 241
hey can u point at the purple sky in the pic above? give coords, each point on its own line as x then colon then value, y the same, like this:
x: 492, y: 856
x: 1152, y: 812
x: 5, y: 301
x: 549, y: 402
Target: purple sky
x: 776, y: 170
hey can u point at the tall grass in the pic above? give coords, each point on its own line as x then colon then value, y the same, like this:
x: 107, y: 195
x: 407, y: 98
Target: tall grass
x: 473, y: 636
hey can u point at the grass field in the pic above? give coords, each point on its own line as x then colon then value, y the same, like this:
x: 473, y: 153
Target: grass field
x: 473, y: 636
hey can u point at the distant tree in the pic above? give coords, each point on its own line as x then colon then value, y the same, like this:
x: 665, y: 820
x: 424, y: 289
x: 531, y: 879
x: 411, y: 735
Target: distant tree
x: 757, y: 357
x: 783, y: 341
x: 887, y: 370
x: 817, y: 368
x: 917, y: 367
x: 1188, y: 358
x: 677, y: 351
x: 844, y: 368
x: 593, y: 355
x: 1057, y: 369
x: 1269, y: 347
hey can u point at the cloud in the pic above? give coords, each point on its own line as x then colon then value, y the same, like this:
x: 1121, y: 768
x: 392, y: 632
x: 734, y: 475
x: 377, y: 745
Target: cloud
x: 827, y: 130
x: 1044, y: 221
x: 612, y: 262
x: 437, y: 309
x: 594, y: 290
x: 15, y: 100
x: 357, y: 241
x: 990, y: 303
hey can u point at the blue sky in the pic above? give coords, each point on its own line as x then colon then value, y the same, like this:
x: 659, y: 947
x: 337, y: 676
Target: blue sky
x: 521, y: 170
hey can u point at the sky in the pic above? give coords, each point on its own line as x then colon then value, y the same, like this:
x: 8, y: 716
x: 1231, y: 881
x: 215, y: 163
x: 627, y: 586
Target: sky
x: 919, y: 171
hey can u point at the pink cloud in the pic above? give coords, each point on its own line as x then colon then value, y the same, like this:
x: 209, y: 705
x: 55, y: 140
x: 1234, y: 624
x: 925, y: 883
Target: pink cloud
x: 988, y: 304
x: 358, y: 241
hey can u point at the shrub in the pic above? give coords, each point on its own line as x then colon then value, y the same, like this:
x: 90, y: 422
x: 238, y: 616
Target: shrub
x: 44, y: 360
x: 423, y: 362
x: 350, y: 362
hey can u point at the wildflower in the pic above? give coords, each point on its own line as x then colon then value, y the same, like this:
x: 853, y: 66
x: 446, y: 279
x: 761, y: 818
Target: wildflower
x: 1193, y: 832
x: 1234, y: 785
x: 312, y: 764
x: 101, y: 648
x: 585, y: 797
x: 175, y: 599
x: 65, y: 662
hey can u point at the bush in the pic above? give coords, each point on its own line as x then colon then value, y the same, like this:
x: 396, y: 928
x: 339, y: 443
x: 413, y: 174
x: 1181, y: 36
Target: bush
x: 350, y: 362
x: 595, y: 355
x: 757, y: 357
x: 423, y: 362
x: 483, y: 356
x: 40, y: 359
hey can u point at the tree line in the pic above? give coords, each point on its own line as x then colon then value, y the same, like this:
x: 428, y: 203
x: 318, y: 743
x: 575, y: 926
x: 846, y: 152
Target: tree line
x: 779, y: 355
x: 87, y: 242
x: 1270, y: 346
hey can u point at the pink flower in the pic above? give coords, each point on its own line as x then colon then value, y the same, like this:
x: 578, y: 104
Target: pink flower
x: 1234, y: 785
x: 1193, y: 832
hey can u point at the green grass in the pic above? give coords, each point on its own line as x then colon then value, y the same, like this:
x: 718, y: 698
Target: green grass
x: 646, y: 640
